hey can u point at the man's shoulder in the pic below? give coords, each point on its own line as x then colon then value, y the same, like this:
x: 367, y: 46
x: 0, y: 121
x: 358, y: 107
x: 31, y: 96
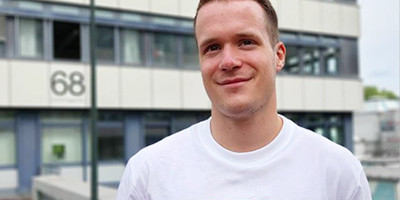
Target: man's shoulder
x: 317, y: 143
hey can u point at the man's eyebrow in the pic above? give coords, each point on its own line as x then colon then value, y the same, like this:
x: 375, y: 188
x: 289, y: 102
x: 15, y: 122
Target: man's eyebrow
x: 207, y: 41
x: 246, y: 34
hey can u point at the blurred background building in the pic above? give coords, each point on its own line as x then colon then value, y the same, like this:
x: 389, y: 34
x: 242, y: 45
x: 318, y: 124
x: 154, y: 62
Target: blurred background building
x: 149, y: 83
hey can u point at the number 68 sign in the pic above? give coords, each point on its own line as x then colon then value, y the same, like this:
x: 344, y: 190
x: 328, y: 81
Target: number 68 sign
x: 62, y: 83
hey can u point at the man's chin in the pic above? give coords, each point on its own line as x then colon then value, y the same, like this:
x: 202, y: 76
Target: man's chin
x: 237, y: 111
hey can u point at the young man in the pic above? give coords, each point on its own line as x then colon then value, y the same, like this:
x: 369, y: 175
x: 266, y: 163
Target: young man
x: 245, y: 151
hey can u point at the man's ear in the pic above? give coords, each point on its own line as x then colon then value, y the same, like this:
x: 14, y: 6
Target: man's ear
x: 280, y: 54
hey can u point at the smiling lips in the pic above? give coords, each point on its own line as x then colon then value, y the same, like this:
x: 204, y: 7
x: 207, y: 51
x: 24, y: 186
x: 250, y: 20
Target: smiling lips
x: 232, y: 81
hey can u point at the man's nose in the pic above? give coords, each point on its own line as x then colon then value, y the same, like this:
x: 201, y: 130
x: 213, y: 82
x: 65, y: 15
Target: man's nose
x: 230, y: 59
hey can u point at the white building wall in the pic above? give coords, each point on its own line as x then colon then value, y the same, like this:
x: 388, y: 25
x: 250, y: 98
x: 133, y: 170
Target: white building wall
x: 155, y: 88
x: 136, y: 87
x: 29, y: 83
x: 167, y: 90
x: 108, y: 86
x: 4, y: 83
x: 302, y: 93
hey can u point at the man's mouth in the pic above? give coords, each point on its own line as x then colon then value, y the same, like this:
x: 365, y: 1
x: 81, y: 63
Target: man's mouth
x: 230, y: 81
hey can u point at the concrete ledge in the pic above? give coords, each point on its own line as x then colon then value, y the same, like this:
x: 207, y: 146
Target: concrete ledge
x: 61, y: 188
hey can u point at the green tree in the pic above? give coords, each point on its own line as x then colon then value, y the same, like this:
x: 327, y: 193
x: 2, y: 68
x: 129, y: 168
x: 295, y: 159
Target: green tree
x: 370, y: 91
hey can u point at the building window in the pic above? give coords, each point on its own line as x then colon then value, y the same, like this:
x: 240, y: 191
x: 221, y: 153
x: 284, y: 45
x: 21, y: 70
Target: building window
x: 131, y: 47
x: 66, y: 43
x: 157, y: 126
x: 31, y: 38
x: 331, y: 61
x: 61, y: 138
x: 105, y: 44
x: 311, y: 61
x: 3, y: 35
x: 111, y: 138
x: 165, y: 51
x: 190, y: 53
x: 184, y: 121
x: 7, y: 139
x: 292, y: 63
x: 330, y: 126
x: 61, y: 144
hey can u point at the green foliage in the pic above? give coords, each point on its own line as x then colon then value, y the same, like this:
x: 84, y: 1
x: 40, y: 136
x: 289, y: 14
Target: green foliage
x: 371, y: 91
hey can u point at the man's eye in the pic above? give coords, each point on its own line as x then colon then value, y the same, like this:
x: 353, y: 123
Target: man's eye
x: 246, y: 42
x: 213, y: 47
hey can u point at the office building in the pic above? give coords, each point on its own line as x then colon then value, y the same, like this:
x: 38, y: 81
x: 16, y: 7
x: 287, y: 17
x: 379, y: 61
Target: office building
x: 148, y: 80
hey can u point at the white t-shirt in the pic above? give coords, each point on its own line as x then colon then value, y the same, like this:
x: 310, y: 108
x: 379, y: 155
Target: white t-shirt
x: 190, y: 165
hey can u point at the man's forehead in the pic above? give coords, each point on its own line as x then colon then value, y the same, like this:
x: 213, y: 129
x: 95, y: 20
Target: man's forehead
x: 213, y: 15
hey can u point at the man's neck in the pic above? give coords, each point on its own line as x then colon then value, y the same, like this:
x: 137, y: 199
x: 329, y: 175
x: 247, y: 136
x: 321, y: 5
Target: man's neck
x: 246, y: 134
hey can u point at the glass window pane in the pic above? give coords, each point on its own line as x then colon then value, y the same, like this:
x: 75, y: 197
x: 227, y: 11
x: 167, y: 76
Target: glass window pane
x: 111, y: 138
x: 130, y: 44
x: 184, y: 121
x: 3, y: 34
x: 336, y: 134
x: 31, y: 38
x: 157, y: 127
x: 311, y: 61
x: 7, y: 146
x: 190, y: 53
x: 331, y: 61
x: 164, y: 50
x: 61, y: 144
x: 66, y: 40
x: 105, y: 44
x: 292, y: 64
x: 284, y: 36
x: 309, y: 38
x: 111, y: 142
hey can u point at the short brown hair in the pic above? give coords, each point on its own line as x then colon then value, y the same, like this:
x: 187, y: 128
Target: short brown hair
x: 268, y: 10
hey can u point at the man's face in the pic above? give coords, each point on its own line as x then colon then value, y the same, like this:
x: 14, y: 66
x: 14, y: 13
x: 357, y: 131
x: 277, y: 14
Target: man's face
x: 238, y: 63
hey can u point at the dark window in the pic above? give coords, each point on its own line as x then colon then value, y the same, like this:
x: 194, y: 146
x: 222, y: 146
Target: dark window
x: 157, y: 127
x: 330, y: 126
x: 292, y: 62
x: 311, y: 63
x: 190, y: 53
x: 105, y: 44
x: 111, y: 142
x: 111, y: 137
x: 165, y: 51
x: 331, y: 61
x: 66, y: 40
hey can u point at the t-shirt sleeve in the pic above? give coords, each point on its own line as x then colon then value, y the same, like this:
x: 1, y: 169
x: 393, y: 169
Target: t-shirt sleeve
x: 128, y: 186
x: 363, y: 192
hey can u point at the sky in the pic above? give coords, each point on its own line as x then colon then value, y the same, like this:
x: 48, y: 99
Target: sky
x: 379, y: 44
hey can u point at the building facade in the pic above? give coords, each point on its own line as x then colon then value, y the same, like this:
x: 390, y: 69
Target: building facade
x: 148, y: 80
